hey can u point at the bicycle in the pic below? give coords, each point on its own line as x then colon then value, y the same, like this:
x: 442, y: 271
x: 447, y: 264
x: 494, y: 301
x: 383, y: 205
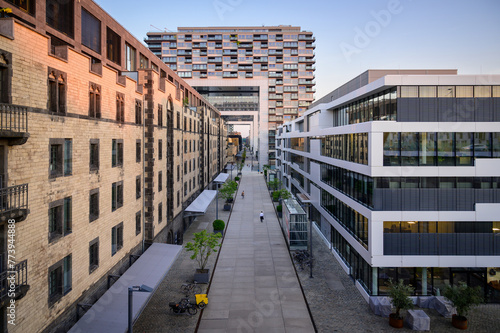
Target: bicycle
x: 190, y: 288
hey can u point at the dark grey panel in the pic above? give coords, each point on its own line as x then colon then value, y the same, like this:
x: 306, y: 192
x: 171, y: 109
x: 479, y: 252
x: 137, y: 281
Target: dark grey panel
x: 447, y: 109
x: 428, y: 199
x: 484, y: 195
x: 428, y: 109
x: 410, y: 244
x: 428, y: 244
x: 496, y: 244
x: 378, y: 199
x: 465, y: 244
x: 447, y: 244
x: 465, y: 109
x: 392, y: 199
x: 496, y: 108
x: 408, y: 109
x: 484, y: 244
x: 497, y: 195
x: 484, y: 109
x: 392, y: 244
x: 410, y: 199
x: 447, y: 199
x: 465, y: 199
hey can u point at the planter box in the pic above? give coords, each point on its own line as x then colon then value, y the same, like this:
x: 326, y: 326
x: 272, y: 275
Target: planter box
x: 202, y: 276
x: 280, y: 215
x: 227, y: 207
x: 221, y: 232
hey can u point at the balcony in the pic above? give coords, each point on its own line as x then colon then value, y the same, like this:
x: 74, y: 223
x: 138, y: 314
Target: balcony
x: 307, y: 82
x: 13, y: 280
x: 14, y: 124
x: 14, y: 203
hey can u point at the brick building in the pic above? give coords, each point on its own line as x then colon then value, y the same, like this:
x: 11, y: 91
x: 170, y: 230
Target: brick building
x: 102, y: 147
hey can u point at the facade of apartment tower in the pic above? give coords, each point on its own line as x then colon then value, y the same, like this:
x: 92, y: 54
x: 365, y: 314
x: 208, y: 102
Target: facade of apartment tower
x: 256, y: 76
x: 402, y: 170
x: 102, y: 146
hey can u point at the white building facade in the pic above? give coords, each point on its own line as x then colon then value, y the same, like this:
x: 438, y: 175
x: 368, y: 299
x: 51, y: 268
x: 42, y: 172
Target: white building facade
x: 403, y: 172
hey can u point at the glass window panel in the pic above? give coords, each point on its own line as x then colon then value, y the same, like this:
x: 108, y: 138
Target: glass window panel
x: 410, y: 227
x: 482, y: 182
x: 465, y: 182
x: 464, y: 148
x: 447, y: 182
x: 496, y: 91
x: 464, y: 91
x: 409, y: 149
x: 429, y: 182
x: 446, y: 91
x: 91, y: 31
x: 441, y: 279
x: 409, y: 91
x: 427, y: 227
x: 446, y: 154
x: 391, y: 149
x: 392, y: 227
x: 410, y: 182
x: 427, y: 91
x: 482, y: 145
x: 446, y: 227
x: 427, y: 147
x: 482, y: 91
x: 495, y: 140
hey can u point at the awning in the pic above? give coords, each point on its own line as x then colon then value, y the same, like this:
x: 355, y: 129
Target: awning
x: 230, y: 167
x: 303, y: 198
x: 110, y: 313
x: 200, y: 205
x: 221, y: 178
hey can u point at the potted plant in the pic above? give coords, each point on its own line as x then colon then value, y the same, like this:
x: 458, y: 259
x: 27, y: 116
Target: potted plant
x: 227, y: 191
x: 463, y: 298
x: 202, y: 246
x: 219, y: 227
x: 279, y: 209
x: 400, y: 298
x: 237, y: 178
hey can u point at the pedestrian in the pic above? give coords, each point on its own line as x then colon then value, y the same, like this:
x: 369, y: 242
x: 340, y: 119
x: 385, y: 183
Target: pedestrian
x: 261, y: 216
x: 243, y: 194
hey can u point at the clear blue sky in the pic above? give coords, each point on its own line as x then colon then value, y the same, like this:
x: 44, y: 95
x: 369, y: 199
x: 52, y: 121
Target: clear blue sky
x: 351, y: 36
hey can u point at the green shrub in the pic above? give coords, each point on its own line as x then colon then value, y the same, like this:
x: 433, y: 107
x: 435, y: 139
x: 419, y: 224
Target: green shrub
x: 236, y: 178
x: 218, y: 225
x: 463, y: 297
x: 276, y: 195
x: 279, y: 208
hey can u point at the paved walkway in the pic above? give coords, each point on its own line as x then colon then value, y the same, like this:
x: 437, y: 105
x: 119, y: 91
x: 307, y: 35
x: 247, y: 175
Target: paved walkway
x: 255, y: 287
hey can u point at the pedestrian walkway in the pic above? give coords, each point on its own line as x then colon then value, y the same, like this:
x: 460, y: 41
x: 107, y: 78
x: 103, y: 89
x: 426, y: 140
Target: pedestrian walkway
x: 255, y: 287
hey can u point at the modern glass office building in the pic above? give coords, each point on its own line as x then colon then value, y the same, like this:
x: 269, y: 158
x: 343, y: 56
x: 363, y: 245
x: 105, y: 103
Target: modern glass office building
x: 402, y: 169
x: 258, y: 76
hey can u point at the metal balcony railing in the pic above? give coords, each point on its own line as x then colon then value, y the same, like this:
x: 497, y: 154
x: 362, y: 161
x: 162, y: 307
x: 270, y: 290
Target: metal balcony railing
x: 13, y: 198
x: 20, y: 279
x: 13, y: 119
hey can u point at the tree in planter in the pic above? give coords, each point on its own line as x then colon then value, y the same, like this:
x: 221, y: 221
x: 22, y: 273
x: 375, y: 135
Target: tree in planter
x: 240, y: 167
x: 274, y: 184
x: 463, y: 298
x: 284, y: 194
x: 265, y: 168
x: 202, y: 246
x: 227, y: 190
x: 400, y: 298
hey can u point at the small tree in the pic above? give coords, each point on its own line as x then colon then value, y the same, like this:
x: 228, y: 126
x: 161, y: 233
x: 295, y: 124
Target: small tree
x: 463, y: 298
x: 240, y: 166
x: 400, y: 296
x: 228, y: 189
x: 265, y: 167
x: 284, y: 194
x: 203, y: 245
x: 218, y: 225
x: 274, y: 184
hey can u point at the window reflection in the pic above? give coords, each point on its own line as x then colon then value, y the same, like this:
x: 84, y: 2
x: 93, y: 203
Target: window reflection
x: 427, y: 149
x: 446, y: 155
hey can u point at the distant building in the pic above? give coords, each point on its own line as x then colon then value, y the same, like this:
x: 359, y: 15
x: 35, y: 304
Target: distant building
x: 402, y: 168
x: 258, y: 76
x: 102, y: 146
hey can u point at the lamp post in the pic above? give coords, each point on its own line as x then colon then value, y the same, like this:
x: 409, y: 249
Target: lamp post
x: 217, y: 202
x: 142, y: 288
x: 232, y: 170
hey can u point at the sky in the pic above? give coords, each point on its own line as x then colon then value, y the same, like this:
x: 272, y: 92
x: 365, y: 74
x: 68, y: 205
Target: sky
x: 351, y: 36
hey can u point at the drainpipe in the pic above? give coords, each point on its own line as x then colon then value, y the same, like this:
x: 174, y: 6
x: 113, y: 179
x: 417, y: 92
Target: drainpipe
x: 143, y: 173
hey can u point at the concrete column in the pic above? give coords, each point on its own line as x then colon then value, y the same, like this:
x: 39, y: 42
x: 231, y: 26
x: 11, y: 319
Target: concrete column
x: 375, y: 281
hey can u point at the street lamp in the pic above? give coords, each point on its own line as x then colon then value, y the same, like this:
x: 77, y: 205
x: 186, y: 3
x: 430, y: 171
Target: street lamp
x: 143, y: 288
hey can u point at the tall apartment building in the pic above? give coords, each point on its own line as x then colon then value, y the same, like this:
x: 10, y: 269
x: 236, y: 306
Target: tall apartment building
x: 257, y: 76
x: 402, y: 169
x: 102, y: 146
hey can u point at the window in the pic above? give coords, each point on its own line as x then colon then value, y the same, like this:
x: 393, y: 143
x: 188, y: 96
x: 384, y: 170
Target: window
x: 116, y: 238
x: 5, y: 77
x: 113, y: 45
x: 138, y: 112
x: 178, y: 173
x: 117, y: 153
x: 185, y: 167
x: 185, y: 188
x: 91, y: 31
x: 160, y: 149
x: 160, y: 212
x: 178, y: 148
x: 178, y: 198
x: 26, y: 5
x: 160, y: 115
x: 94, y: 155
x: 59, y: 15
x: 178, y: 120
x: 137, y: 187
x: 59, y: 279
x: 185, y: 146
x: 144, y: 62
x: 116, y: 195
x: 57, y: 91
x: 94, y: 100
x: 93, y: 255
x: 60, y: 212
x: 120, y: 107
x: 130, y: 58
x: 185, y: 124
x: 138, y: 151
x: 138, y: 223
x: 60, y: 159
x: 93, y: 205
x: 160, y: 184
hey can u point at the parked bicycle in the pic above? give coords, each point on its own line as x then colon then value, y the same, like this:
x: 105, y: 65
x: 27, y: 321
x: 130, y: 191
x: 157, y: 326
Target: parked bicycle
x: 302, y: 259
x: 184, y: 306
x: 190, y: 288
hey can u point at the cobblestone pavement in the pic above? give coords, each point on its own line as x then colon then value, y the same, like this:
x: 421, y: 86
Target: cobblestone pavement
x: 337, y: 306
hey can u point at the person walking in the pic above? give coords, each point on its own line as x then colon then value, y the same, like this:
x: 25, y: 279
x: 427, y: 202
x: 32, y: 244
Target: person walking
x: 261, y: 216
x: 243, y: 194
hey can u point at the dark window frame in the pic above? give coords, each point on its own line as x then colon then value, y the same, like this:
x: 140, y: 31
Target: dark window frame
x: 94, y: 155
x: 60, y: 160
x: 91, y: 31
x: 93, y: 255
x: 56, y: 287
x: 93, y: 205
x: 138, y: 222
x: 117, y: 153
x: 138, y: 112
x: 62, y: 17
x: 116, y: 195
x: 138, y: 186
x: 57, y: 91
x: 60, y: 218
x: 120, y: 107
x: 116, y: 238
x: 113, y: 46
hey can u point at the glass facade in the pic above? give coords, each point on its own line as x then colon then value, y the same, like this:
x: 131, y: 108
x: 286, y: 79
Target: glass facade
x: 348, y: 147
x: 439, y: 149
x: 355, y: 223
